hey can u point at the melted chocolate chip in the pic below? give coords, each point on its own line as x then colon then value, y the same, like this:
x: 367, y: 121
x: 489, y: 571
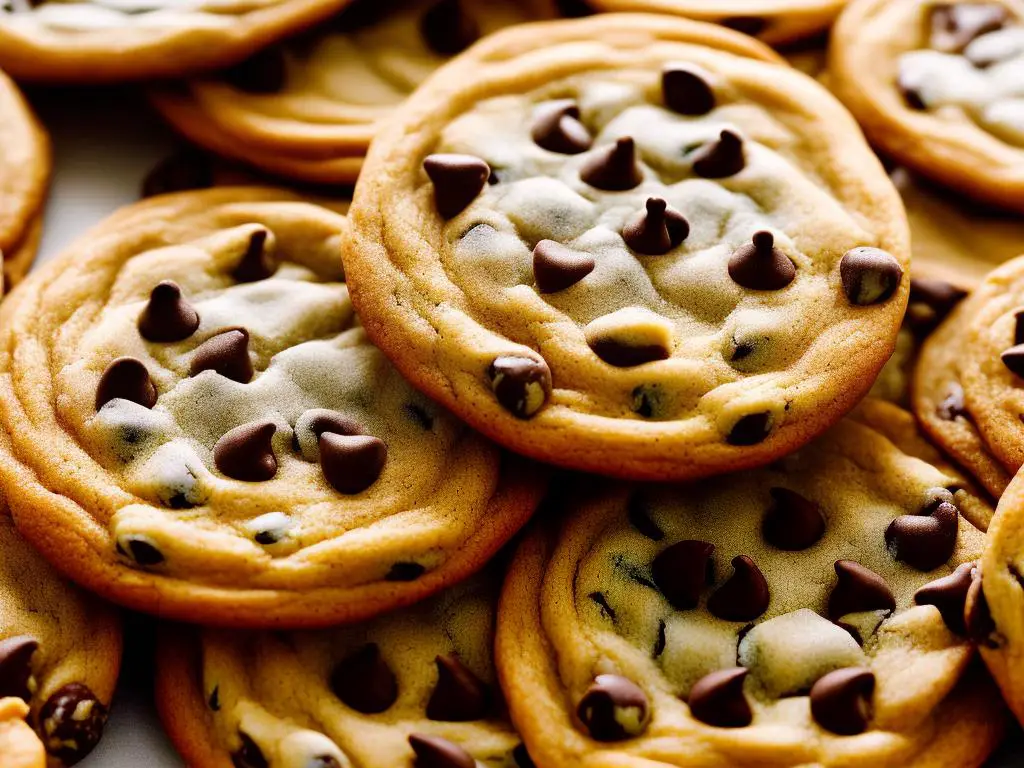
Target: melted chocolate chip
x: 71, y: 722
x: 949, y: 595
x: 760, y: 266
x: 365, y: 682
x: 126, y: 378
x: 748, y: 25
x: 256, y: 263
x: 751, y: 429
x: 558, y: 128
x: 263, y: 73
x: 141, y: 551
x: 226, y: 354
x: 955, y: 25
x: 448, y: 29
x: 613, y: 168
x: 335, y: 422
x: 869, y: 276
x: 1018, y: 327
x: 245, y: 452
x: 717, y: 699
x: 602, y: 603
x: 1013, y: 359
x: 721, y: 158
x: 351, y: 463
x: 745, y: 596
x: 926, y: 540
x: 614, y: 708
x: 683, y: 571
x: 556, y: 267
x: 167, y: 316
x: 249, y: 755
x: 622, y: 354
x: 640, y: 518
x: 457, y: 179
x: 185, y: 170
x: 16, y: 666
x: 910, y: 94
x: 930, y: 302
x: 521, y: 385
x: 435, y: 752
x: 214, y: 701
x: 657, y: 229
x: 460, y: 696
x: 405, y: 572
x: 841, y: 700
x: 792, y: 523
x: 858, y: 589
x: 953, y: 404
x: 977, y: 615
x: 686, y: 91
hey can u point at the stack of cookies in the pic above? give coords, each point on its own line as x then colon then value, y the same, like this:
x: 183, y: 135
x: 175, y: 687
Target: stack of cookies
x: 570, y: 385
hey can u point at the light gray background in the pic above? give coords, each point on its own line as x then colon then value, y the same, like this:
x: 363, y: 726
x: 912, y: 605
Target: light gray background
x: 104, y: 144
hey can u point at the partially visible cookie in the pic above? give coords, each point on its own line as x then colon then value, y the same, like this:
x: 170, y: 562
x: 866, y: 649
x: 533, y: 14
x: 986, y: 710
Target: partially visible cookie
x: 19, y: 744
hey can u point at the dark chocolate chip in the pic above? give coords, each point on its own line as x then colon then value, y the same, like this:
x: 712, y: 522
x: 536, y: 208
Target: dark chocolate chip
x: 930, y: 302
x: 405, y: 572
x: 748, y: 25
x: 364, y: 681
x: 924, y: 541
x: 71, y: 723
x: 685, y: 91
x: 841, y: 700
x: 459, y: 696
x: 869, y: 275
x: 949, y: 595
x: 351, y: 463
x: 557, y: 128
x: 126, y: 378
x: 745, y: 596
x: 683, y: 571
x: 910, y: 94
x: 435, y: 752
x: 522, y: 758
x: 335, y: 422
x: 521, y: 385
x: 16, y: 666
x: 657, y: 229
x: 717, y: 699
x: 556, y: 267
x: 955, y: 25
x: 622, y: 354
x: 214, y: 701
x: 227, y: 354
x: 953, y: 404
x: 720, y: 158
x: 760, y: 266
x: 245, y: 452
x: 457, y: 180
x: 640, y: 518
x: 448, y: 29
x: 1013, y: 359
x: 1018, y: 327
x: 645, y: 400
x: 858, y: 589
x: 257, y: 262
x: 142, y: 552
x: 185, y: 170
x: 167, y: 316
x: 662, y: 641
x: 613, y: 168
x: 614, y: 708
x: 574, y: 9
x: 751, y: 429
x: 602, y: 603
x: 249, y: 755
x: 792, y: 523
x: 977, y: 615
x: 262, y: 73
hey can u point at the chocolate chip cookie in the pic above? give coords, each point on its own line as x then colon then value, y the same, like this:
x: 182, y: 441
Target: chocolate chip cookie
x: 196, y: 425
x: 307, y: 109
x: 637, y: 245
x: 807, y: 613
x: 939, y: 86
x: 60, y: 652
x: 412, y: 689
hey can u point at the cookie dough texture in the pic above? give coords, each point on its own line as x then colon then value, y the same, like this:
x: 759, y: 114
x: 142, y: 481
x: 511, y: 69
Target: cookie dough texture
x: 308, y: 108
x: 196, y: 425
x: 425, y: 671
x: 786, y: 583
x: 707, y: 324
x: 60, y: 652
x: 102, y: 41
x: 938, y: 89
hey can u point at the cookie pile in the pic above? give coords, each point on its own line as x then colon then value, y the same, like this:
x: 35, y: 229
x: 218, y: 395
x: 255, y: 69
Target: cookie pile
x: 653, y: 398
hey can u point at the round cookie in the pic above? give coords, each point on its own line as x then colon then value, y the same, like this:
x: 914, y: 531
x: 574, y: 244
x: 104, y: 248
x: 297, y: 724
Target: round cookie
x: 807, y: 613
x: 60, y: 653
x: 308, y: 108
x: 550, y: 242
x: 939, y: 86
x: 412, y: 689
x: 103, y: 41
x: 196, y: 425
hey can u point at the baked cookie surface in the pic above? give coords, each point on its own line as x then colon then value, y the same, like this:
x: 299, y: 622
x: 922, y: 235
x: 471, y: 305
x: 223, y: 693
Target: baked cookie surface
x: 189, y: 398
x: 939, y: 86
x: 630, y: 244
x: 308, y: 108
x: 808, y: 613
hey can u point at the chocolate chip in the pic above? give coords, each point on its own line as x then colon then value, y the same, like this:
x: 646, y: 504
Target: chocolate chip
x: 263, y: 73
x: 522, y: 758
x: 949, y: 595
x: 167, y: 316
x: 717, y: 699
x: 602, y: 603
x: 792, y: 523
x: 748, y: 25
x: 751, y: 429
x: 365, y: 682
x: 1018, y: 327
x: 745, y: 596
x: 760, y: 266
x: 71, y: 723
x: 720, y: 158
x: 249, y: 755
x: 645, y: 400
x: 332, y: 421
x: 683, y: 571
x: 214, y: 701
x: 955, y: 25
x: 245, y: 452
x: 460, y: 696
x: 557, y: 128
x: 613, y: 168
x: 574, y: 9
x: 405, y: 572
x: 622, y: 354
x: 977, y: 615
x: 1013, y: 359
x: 841, y: 700
x: 640, y: 518
x: 556, y: 267
x: 926, y: 540
x: 16, y: 666
x: 435, y: 752
x: 657, y: 229
x: 185, y: 170
x: 662, y: 641
x: 869, y: 275
x: 953, y: 404
x: 227, y: 354
x: 457, y: 180
x: 448, y: 29
x: 351, y: 463
x: 858, y: 589
x: 911, y: 95
x: 521, y: 384
x: 257, y: 262
x: 126, y: 378
x: 420, y: 415
x: 613, y: 709
x: 930, y: 302
x: 686, y: 91
x: 141, y: 551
